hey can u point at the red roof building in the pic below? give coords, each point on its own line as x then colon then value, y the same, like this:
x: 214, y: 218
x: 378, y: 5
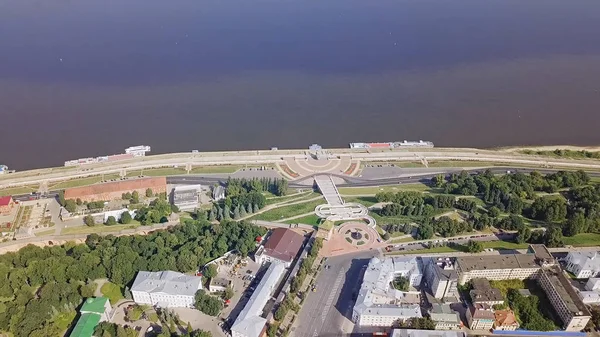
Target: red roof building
x: 6, y: 205
x: 282, y: 245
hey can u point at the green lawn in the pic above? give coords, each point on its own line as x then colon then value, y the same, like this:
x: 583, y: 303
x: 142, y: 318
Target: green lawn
x: 44, y: 233
x: 288, y: 211
x: 157, y: 172
x: 393, y: 188
x: 64, y: 320
x: 434, y: 250
x: 18, y: 190
x: 82, y: 182
x: 312, y: 219
x: 400, y: 240
x: 584, y: 239
x: 215, y: 169
x: 504, y: 245
x: 97, y: 229
x: 290, y: 198
x: 112, y: 291
x: 366, y: 201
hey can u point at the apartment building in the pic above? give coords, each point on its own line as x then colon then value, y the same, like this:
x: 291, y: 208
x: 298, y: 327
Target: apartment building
x: 444, y: 317
x: 497, y: 267
x: 441, y: 276
x: 378, y: 303
x: 571, y: 310
x: 480, y: 317
x: 483, y: 292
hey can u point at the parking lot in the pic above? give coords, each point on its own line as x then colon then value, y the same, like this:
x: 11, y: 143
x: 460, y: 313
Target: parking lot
x: 242, y: 274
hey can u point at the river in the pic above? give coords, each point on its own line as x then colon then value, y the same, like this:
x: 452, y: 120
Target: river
x: 89, y: 77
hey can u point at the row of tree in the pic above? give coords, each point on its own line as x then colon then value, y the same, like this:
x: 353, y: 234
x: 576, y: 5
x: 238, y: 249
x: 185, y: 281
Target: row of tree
x: 278, y: 187
x: 44, y: 282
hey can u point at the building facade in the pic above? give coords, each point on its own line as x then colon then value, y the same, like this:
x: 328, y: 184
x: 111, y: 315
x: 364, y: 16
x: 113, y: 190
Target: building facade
x: 165, y: 289
x: 480, y: 317
x: 444, y: 317
x: 569, y: 307
x: 497, y: 267
x: 583, y: 264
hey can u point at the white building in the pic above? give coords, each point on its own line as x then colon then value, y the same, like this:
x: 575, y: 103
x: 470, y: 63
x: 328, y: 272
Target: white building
x: 250, y: 322
x: 441, y: 276
x: 187, y: 197
x: 165, y: 289
x: 444, y: 317
x: 218, y: 193
x: 378, y: 303
x: 498, y: 267
x: 218, y: 284
x: 583, y: 264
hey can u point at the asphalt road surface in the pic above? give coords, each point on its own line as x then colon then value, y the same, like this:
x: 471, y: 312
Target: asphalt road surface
x: 327, y: 312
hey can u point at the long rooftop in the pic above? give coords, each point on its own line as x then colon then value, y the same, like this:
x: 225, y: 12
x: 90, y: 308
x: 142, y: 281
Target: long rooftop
x: 565, y: 291
x: 491, y: 262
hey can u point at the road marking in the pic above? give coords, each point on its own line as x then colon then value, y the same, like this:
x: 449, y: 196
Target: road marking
x: 332, y: 295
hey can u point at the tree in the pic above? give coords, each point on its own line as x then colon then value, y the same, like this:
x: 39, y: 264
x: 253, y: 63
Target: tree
x: 523, y: 235
x: 89, y: 220
x: 210, y: 271
x: 149, y: 193
x: 401, y: 283
x: 494, y: 212
x: 61, y: 197
x: 228, y: 293
x: 249, y: 209
x: 208, y: 304
x: 70, y: 206
x: 126, y: 196
x: 111, y: 221
x: 474, y: 246
x: 236, y: 212
x: 439, y: 180
x: 553, y: 237
x: 125, y: 218
x: 79, y: 202
x: 135, y: 197
x: 272, y: 330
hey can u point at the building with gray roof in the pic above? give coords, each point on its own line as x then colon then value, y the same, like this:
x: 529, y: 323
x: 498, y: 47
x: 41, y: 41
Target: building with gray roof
x: 166, y: 289
x: 444, y: 317
x: 571, y: 309
x: 187, y: 197
x: 378, y: 303
x: 441, y: 276
x: 250, y: 322
x: 497, y: 267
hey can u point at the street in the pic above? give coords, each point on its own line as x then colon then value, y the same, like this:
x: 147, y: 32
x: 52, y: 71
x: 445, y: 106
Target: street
x: 328, y: 310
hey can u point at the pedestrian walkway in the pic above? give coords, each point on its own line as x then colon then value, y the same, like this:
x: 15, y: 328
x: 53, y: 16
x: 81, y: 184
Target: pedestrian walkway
x: 329, y: 190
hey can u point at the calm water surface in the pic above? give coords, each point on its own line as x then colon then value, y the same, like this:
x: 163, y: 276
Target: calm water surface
x: 90, y: 77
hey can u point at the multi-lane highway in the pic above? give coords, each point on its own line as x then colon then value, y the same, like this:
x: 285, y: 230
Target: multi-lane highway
x: 280, y: 156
